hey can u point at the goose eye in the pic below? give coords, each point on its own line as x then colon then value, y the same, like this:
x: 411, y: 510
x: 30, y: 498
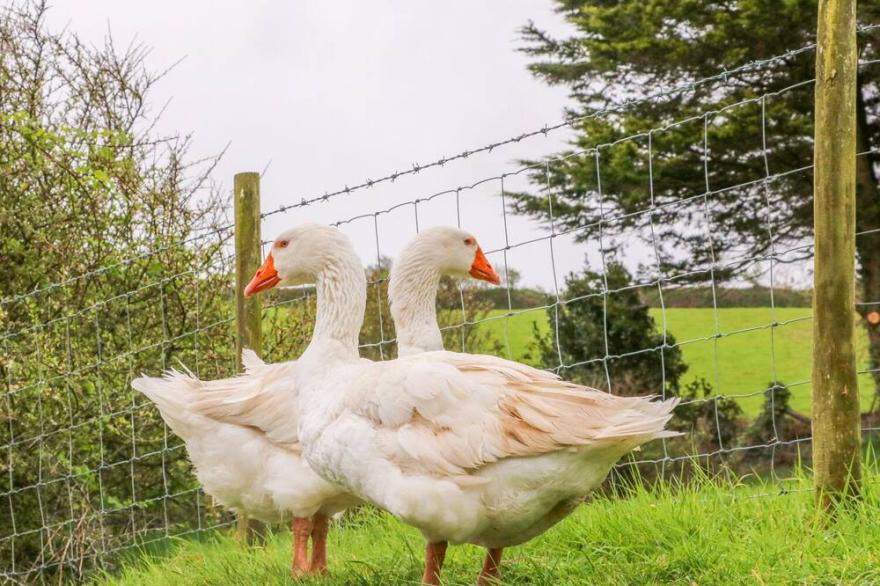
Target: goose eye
x: 282, y: 244
x: 469, y: 241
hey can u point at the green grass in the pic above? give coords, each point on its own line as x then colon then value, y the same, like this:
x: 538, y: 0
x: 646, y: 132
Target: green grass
x: 712, y: 533
x: 741, y: 362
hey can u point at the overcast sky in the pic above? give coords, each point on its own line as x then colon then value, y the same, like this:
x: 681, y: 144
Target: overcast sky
x: 332, y: 93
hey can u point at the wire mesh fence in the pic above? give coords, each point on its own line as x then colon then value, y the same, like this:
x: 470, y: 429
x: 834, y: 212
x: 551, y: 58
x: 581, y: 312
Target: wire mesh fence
x: 92, y: 470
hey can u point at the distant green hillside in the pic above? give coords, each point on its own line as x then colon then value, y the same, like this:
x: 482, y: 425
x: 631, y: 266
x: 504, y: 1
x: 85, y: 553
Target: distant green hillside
x: 694, y: 296
x: 727, y: 297
x: 740, y: 362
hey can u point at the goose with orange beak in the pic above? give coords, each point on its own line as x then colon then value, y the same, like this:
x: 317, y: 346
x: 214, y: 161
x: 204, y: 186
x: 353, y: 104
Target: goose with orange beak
x: 467, y: 448
x: 241, y: 432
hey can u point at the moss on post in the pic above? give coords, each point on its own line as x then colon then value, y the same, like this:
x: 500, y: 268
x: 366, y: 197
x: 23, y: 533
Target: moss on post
x: 836, y: 424
x: 248, y: 312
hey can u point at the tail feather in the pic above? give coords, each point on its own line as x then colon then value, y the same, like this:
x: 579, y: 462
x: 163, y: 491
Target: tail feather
x: 647, y: 418
x: 250, y: 360
x: 173, y: 393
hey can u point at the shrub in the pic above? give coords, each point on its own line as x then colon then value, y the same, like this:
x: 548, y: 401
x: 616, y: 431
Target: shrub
x: 638, y: 361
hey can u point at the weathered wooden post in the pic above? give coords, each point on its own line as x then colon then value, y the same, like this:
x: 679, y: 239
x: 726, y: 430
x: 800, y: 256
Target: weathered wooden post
x: 248, y: 312
x: 836, y: 424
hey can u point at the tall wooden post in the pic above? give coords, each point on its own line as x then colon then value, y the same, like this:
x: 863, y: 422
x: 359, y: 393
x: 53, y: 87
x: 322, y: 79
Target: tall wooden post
x: 248, y: 312
x: 836, y: 424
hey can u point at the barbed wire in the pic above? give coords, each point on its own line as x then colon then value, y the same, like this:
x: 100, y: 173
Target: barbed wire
x: 612, y: 109
x: 416, y: 168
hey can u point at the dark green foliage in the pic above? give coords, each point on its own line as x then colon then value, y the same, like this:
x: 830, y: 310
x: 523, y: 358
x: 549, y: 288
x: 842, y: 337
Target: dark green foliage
x: 652, y: 151
x: 777, y: 421
x: 769, y: 425
x: 710, y: 422
x: 640, y: 360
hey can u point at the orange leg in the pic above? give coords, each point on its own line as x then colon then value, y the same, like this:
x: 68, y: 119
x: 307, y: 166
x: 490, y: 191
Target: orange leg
x: 491, y: 572
x: 435, y: 553
x: 301, y: 529
x: 320, y: 527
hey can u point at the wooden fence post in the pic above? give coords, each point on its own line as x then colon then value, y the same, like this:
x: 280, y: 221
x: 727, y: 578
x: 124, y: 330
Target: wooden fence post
x: 836, y: 418
x: 248, y: 312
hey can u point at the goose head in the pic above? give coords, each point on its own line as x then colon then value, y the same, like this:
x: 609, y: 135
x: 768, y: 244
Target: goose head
x: 415, y: 280
x: 298, y: 256
x: 449, y: 251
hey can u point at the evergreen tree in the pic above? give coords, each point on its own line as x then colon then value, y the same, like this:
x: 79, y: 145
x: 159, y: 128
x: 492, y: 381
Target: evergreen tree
x: 753, y: 193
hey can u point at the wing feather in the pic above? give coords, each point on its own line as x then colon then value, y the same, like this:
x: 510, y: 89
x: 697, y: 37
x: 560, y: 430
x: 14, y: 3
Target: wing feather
x: 449, y: 414
x: 263, y: 399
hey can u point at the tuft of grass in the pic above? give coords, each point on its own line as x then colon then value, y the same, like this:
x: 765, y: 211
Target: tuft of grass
x: 710, y: 531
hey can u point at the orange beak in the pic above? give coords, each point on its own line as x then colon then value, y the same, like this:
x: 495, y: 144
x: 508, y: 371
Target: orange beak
x: 481, y: 269
x: 266, y: 277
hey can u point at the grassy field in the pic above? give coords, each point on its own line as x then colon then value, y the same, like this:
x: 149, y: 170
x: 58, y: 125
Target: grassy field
x: 714, y: 533
x: 741, y: 362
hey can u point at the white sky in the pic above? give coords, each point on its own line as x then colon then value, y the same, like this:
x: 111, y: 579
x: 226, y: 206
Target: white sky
x: 335, y: 92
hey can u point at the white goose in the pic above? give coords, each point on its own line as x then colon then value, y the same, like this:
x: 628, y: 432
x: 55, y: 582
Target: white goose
x: 241, y: 433
x: 466, y: 448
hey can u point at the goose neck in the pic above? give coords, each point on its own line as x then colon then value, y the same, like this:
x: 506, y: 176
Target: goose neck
x: 412, y: 294
x: 341, y: 302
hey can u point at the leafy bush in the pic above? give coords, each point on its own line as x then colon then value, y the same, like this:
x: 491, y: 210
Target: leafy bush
x: 776, y: 421
x: 638, y: 360
x: 111, y: 264
x: 711, y: 422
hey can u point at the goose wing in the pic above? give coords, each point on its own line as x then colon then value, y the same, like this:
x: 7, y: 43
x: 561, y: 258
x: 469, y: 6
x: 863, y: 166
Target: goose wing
x: 263, y: 398
x: 448, y: 414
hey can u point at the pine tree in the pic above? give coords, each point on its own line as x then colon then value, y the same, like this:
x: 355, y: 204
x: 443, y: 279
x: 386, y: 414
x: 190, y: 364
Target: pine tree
x: 746, y: 200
